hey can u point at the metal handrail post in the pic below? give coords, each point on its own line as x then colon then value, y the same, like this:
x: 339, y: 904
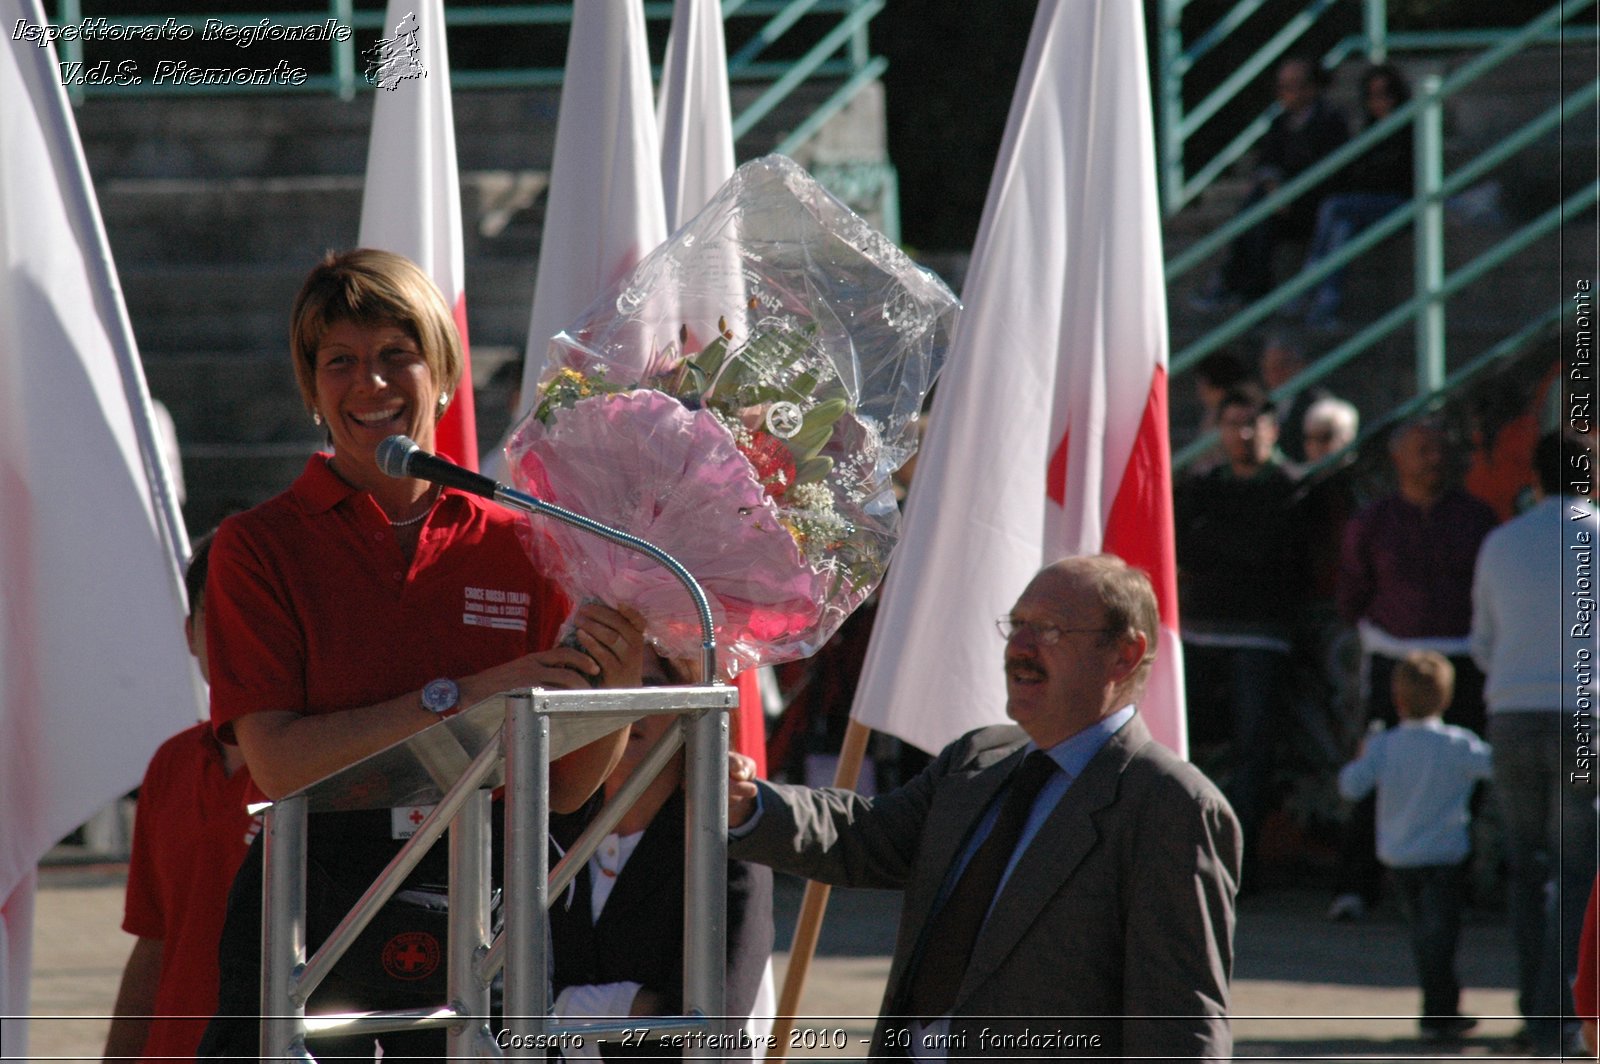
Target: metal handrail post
x: 1169, y: 41
x: 1375, y: 28
x: 527, y: 749
x: 860, y: 48
x: 71, y: 48
x: 470, y: 862
x: 706, y: 870
x: 344, y: 52
x: 1429, y: 140
x: 1313, y: 175
x: 283, y: 930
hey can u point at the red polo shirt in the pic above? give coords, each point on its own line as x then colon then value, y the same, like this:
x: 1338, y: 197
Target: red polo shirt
x: 1585, y: 990
x: 311, y: 606
x: 189, y: 836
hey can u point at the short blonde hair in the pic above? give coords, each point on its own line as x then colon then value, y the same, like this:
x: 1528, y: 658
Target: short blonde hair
x: 1424, y: 683
x: 370, y: 287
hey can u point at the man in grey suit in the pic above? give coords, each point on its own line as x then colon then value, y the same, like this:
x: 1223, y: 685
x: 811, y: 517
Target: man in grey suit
x: 1076, y: 903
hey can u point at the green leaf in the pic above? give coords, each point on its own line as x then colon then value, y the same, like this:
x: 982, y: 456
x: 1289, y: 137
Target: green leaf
x: 802, y: 386
x: 691, y: 378
x: 817, y: 429
x: 811, y: 471
x: 709, y: 360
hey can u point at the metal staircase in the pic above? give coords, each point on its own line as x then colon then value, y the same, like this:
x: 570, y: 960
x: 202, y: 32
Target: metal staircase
x: 1472, y: 296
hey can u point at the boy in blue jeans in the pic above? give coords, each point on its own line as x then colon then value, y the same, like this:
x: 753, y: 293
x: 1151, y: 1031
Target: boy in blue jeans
x: 1424, y: 771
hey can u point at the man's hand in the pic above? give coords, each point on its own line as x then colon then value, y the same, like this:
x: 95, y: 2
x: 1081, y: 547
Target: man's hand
x: 741, y: 789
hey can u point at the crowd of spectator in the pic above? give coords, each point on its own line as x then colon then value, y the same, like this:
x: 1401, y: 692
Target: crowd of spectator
x: 1320, y: 221
x: 1307, y: 610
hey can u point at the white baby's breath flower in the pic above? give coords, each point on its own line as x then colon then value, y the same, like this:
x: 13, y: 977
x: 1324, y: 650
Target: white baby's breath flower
x: 815, y: 497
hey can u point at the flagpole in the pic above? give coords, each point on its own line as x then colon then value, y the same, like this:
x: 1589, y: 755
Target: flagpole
x: 1059, y: 364
x: 813, y: 906
x: 119, y: 329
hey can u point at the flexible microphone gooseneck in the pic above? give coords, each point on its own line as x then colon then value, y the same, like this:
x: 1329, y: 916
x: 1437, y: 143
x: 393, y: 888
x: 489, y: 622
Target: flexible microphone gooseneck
x: 399, y: 456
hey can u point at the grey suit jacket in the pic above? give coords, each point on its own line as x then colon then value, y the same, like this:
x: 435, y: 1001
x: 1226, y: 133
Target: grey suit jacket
x: 1114, y: 934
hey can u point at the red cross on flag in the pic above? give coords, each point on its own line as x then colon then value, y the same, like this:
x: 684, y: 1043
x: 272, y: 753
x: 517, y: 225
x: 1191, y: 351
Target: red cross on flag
x: 1049, y: 435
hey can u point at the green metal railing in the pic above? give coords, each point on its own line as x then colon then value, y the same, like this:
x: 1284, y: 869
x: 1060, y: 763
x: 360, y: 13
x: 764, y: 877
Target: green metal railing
x: 1176, y: 126
x: 1433, y: 285
x: 1375, y: 429
x: 1182, y: 179
x: 757, y: 31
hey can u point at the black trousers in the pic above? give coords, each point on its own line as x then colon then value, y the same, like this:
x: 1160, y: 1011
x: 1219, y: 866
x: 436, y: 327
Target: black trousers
x: 384, y: 967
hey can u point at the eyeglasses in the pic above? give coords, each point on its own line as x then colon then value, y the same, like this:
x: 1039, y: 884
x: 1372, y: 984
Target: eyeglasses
x: 1045, y: 634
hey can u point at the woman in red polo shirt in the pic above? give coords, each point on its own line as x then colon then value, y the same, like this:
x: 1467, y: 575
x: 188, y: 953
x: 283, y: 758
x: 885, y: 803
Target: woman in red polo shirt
x: 348, y: 612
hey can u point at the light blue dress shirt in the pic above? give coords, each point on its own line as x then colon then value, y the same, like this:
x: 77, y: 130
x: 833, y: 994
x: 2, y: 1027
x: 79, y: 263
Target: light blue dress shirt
x: 1071, y: 757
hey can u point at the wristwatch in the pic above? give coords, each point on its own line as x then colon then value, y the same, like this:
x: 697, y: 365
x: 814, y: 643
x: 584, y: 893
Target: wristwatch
x: 440, y: 696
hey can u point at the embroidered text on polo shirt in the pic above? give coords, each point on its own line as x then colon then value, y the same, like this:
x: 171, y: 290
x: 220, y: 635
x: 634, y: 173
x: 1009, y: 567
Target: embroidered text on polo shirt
x: 488, y: 607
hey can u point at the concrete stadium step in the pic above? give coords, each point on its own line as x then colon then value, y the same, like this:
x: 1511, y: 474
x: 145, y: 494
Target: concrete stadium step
x: 177, y: 308
x: 262, y: 135
x: 1483, y: 314
x: 161, y: 221
x: 217, y: 206
x: 231, y: 398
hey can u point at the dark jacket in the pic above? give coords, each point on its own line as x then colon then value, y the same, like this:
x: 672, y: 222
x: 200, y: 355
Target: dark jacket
x: 639, y: 937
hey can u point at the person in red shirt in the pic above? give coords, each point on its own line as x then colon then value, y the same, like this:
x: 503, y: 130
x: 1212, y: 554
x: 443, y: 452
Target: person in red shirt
x: 190, y: 833
x: 351, y: 611
x: 1585, y: 989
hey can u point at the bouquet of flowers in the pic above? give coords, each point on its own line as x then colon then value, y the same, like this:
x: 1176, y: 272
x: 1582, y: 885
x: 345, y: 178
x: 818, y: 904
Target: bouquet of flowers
x: 741, y: 400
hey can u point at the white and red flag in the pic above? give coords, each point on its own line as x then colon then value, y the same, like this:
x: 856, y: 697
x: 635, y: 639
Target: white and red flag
x: 605, y: 210
x: 94, y: 672
x: 695, y: 121
x: 411, y: 203
x: 1049, y: 434
x: 693, y: 114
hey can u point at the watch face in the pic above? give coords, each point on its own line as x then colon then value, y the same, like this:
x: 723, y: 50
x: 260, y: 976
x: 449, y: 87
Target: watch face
x: 440, y: 695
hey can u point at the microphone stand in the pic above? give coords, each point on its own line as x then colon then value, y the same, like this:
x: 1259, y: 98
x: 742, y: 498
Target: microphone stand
x: 517, y: 500
x: 705, y: 886
x: 706, y: 882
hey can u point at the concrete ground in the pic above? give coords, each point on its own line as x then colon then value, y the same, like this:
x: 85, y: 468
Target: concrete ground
x: 1304, y: 988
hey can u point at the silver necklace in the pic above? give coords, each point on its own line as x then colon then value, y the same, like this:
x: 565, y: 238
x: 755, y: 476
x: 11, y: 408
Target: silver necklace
x: 413, y: 520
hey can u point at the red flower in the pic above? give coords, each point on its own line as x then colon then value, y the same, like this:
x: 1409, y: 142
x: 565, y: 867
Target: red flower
x: 773, y: 462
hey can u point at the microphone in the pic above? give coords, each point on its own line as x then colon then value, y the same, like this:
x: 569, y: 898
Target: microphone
x: 399, y: 456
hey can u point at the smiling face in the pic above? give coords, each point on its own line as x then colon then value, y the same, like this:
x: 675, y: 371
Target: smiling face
x: 371, y: 382
x: 375, y: 315
x: 1056, y: 690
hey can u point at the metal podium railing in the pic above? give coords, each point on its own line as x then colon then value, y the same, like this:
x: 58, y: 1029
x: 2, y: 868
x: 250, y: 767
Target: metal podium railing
x: 454, y: 765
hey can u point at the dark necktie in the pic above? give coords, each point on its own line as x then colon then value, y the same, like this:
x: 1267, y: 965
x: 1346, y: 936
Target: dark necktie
x: 948, y: 940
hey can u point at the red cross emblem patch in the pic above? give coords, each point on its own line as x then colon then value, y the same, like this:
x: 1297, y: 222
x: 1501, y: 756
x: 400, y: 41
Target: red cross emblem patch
x: 411, y: 955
